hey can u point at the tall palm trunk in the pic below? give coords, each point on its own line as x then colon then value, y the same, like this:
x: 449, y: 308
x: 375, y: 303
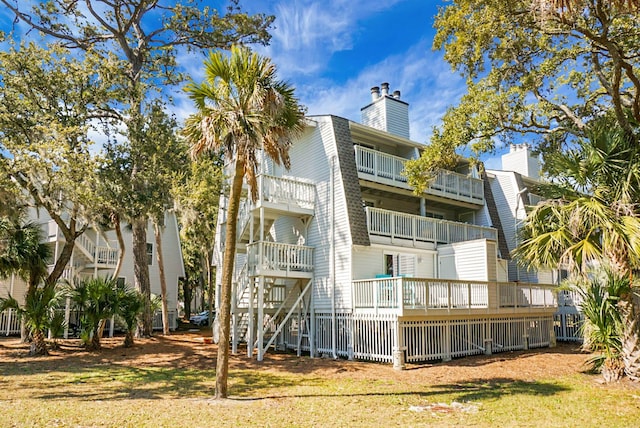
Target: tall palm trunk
x: 630, y: 335
x: 141, y: 273
x: 228, y: 262
x: 628, y: 306
x: 163, y: 283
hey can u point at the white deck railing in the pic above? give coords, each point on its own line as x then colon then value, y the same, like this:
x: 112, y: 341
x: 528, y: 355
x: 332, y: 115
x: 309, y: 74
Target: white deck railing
x: 398, y: 294
x: 446, y: 183
x: 280, y: 257
x: 278, y: 190
x: 9, y: 322
x: 287, y: 190
x: 107, y: 256
x: 394, y: 224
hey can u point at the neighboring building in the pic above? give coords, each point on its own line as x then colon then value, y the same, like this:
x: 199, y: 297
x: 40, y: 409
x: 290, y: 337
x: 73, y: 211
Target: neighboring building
x: 511, y: 188
x: 339, y: 256
x: 96, y: 254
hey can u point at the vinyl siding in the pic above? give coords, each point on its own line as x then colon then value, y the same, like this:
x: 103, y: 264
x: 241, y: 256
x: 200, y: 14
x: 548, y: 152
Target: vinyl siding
x: 466, y: 260
x: 369, y: 261
x: 17, y: 289
x: 310, y: 159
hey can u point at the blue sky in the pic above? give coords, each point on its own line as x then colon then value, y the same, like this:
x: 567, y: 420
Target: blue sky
x: 334, y: 51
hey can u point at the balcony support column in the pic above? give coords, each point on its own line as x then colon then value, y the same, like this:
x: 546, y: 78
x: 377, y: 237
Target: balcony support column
x: 260, y: 322
x: 250, y: 320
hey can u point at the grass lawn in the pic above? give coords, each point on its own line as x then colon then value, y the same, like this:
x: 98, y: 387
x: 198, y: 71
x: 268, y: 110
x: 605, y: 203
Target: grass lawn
x: 169, y: 382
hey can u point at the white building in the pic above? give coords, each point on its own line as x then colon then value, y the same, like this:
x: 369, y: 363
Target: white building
x: 96, y: 254
x: 339, y: 256
x: 512, y: 190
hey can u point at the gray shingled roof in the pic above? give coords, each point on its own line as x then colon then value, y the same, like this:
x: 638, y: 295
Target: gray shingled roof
x: 347, y: 161
x: 495, y: 217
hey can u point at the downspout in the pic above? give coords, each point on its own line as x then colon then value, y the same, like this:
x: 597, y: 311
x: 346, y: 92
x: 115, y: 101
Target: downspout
x: 332, y: 260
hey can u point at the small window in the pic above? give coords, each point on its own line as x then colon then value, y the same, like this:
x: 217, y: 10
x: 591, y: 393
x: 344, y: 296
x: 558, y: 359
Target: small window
x: 121, y: 281
x: 430, y: 214
x: 149, y: 254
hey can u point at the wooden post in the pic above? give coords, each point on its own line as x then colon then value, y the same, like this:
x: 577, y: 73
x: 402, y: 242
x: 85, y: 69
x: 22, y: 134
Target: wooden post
x: 312, y: 327
x: 447, y: 341
x: 250, y: 311
x: 260, y: 323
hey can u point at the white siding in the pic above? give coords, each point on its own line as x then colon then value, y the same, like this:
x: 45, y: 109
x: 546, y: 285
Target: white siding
x: 465, y: 261
x: 172, y: 256
x: 310, y: 158
x: 370, y: 261
x: 16, y: 287
x: 388, y: 114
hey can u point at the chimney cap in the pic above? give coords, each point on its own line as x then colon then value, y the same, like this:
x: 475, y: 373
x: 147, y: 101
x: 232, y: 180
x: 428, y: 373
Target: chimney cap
x: 375, y: 93
x: 396, y: 94
x: 385, y: 88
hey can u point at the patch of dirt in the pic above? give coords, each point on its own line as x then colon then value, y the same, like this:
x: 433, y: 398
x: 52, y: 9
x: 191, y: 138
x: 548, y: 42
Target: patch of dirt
x: 189, y: 350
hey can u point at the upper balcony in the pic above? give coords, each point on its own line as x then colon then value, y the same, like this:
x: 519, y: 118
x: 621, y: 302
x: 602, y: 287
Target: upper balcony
x: 394, y: 227
x: 387, y: 169
x: 280, y: 196
x: 88, y: 254
x: 417, y: 296
x: 279, y: 260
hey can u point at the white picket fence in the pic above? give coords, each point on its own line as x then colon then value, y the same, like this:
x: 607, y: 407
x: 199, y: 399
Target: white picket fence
x: 374, y: 337
x: 10, y: 322
x: 567, y: 326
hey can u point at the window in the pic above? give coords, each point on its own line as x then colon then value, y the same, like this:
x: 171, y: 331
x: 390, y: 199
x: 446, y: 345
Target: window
x: 121, y: 281
x: 400, y: 264
x: 430, y: 214
x: 149, y: 254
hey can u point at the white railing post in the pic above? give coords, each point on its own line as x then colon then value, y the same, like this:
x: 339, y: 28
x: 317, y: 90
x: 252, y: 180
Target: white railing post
x: 400, y: 298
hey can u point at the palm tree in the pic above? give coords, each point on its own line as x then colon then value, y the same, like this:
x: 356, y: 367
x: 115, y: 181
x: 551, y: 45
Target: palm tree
x: 38, y: 313
x: 23, y: 253
x: 242, y: 109
x: 96, y: 299
x: 592, y: 220
x: 130, y: 306
x: 603, y: 322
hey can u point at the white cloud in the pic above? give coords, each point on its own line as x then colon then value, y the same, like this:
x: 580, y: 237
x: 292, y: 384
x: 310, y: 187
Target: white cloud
x: 423, y: 77
x: 307, y: 32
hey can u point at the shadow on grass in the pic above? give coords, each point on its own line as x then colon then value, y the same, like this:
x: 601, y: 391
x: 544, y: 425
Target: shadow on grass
x: 471, y: 390
x: 175, y: 370
x: 172, y: 367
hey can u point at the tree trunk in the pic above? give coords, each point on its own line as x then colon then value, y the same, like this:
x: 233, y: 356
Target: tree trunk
x: 163, y: 282
x: 186, y: 290
x: 631, y: 335
x: 210, y: 287
x: 95, y: 340
x: 224, y: 314
x: 141, y: 273
x: 39, y: 345
x: 121, y: 249
x: 128, y: 339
